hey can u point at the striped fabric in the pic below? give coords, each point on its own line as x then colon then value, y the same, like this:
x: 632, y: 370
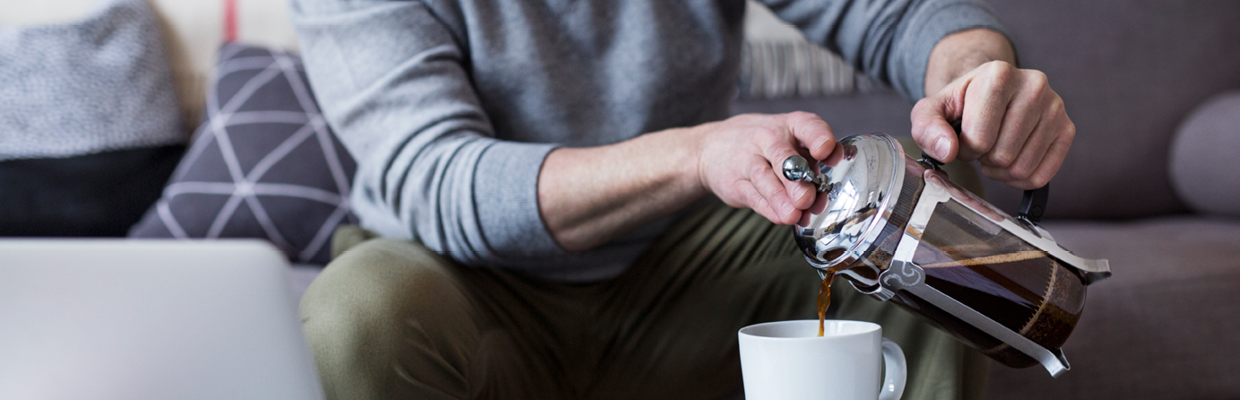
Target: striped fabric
x: 795, y: 68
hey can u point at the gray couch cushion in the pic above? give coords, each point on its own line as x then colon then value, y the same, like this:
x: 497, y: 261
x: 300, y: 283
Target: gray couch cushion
x: 89, y: 129
x: 1203, y: 157
x: 1163, y: 327
x: 99, y: 84
x: 1128, y: 72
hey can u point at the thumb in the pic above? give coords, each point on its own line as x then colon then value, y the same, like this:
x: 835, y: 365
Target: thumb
x: 931, y: 129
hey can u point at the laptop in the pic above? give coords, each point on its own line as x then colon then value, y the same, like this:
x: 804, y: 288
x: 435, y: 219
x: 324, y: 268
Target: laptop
x: 133, y: 320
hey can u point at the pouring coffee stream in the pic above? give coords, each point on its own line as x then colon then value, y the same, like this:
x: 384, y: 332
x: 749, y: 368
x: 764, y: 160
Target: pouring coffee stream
x: 899, y: 231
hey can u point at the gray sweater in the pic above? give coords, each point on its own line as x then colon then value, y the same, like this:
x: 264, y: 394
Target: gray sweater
x: 450, y: 107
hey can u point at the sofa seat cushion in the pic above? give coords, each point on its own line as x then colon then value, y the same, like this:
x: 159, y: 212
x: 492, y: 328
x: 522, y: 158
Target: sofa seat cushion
x: 1164, y: 326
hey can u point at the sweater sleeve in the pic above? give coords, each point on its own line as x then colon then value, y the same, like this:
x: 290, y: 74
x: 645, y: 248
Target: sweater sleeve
x: 391, y: 81
x: 890, y: 40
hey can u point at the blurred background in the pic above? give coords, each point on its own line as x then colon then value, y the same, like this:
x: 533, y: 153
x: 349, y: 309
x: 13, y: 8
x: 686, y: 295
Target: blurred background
x: 192, y: 119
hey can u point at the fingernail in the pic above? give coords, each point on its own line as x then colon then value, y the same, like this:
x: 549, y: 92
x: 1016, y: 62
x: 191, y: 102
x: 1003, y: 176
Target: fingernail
x: 800, y: 192
x: 941, y: 147
x: 820, y: 143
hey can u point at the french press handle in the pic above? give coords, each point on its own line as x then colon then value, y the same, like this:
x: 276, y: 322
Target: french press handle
x: 1032, y: 205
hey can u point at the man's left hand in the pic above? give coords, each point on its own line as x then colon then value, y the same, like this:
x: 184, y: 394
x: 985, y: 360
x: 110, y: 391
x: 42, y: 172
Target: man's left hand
x: 1012, y: 122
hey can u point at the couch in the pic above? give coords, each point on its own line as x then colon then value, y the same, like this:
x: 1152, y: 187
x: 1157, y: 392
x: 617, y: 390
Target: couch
x: 1131, y: 75
x: 1132, y: 190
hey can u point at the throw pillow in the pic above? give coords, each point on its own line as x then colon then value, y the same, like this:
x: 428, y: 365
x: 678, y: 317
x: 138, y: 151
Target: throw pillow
x: 1203, y: 155
x: 89, y: 127
x: 263, y: 164
x: 777, y: 61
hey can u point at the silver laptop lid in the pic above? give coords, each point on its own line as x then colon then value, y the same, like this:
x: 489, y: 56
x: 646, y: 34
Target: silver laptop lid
x: 117, y: 319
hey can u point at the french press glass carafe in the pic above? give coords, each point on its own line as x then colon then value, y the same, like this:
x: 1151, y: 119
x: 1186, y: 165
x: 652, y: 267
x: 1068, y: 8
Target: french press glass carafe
x: 899, y: 231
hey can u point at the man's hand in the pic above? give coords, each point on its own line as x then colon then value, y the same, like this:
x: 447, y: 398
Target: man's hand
x: 740, y: 160
x: 1012, y: 122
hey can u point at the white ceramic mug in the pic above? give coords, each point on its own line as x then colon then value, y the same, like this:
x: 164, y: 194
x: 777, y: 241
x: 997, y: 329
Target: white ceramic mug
x: 787, y: 360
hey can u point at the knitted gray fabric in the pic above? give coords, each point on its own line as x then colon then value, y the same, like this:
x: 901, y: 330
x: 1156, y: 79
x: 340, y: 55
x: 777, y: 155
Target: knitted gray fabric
x: 450, y: 107
x: 99, y: 84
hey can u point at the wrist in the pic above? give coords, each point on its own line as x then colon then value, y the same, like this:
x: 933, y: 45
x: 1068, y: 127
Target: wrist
x: 957, y: 54
x: 691, y: 166
x: 699, y: 141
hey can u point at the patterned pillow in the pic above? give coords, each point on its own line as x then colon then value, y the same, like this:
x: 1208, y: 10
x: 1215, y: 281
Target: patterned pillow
x: 263, y: 164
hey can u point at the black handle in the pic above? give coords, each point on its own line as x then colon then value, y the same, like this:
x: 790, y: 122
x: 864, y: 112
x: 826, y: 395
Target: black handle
x: 1032, y: 205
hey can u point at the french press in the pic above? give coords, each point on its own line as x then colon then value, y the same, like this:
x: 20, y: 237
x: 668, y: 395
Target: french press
x: 899, y: 231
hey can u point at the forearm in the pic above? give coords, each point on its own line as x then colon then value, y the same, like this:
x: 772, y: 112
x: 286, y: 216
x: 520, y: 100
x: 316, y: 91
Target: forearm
x: 588, y: 196
x: 961, y: 52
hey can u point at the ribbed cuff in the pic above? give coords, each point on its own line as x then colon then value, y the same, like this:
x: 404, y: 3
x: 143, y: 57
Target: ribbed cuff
x: 932, y: 25
x: 506, y: 200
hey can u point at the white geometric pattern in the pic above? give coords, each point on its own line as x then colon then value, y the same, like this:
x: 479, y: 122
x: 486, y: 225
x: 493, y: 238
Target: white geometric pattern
x: 246, y: 188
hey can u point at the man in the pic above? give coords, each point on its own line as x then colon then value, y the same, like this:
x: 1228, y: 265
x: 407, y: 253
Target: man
x: 544, y: 174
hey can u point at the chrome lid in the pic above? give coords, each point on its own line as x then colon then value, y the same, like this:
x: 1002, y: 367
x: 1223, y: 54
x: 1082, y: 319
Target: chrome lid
x: 858, y: 186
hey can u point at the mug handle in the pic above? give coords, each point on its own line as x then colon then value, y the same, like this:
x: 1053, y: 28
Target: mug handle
x: 894, y: 376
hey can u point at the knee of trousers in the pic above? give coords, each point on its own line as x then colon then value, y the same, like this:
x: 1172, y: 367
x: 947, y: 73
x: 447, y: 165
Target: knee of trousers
x: 388, y: 303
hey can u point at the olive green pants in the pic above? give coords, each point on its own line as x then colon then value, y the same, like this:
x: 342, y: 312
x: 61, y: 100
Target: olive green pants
x: 390, y: 319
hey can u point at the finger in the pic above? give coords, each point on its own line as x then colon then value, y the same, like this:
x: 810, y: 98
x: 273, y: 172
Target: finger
x: 776, y: 195
x: 757, y: 203
x: 1048, y: 165
x: 1053, y: 124
x: 811, y: 132
x: 1019, y: 122
x: 800, y: 193
x: 931, y: 130
x: 986, y: 102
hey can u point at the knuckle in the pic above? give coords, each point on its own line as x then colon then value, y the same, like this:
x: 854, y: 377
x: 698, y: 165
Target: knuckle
x: 782, y: 155
x: 1070, y: 132
x: 766, y: 132
x: 982, y: 141
x: 1000, y: 72
x: 1002, y: 158
x: 757, y: 169
x: 1038, y: 180
x: 823, y: 124
x: 801, y: 115
x: 757, y: 202
x: 1038, y: 78
x: 746, y: 192
x: 1021, y: 172
x: 1056, y: 107
x: 1037, y: 85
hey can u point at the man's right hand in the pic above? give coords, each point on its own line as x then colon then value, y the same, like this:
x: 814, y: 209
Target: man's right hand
x: 740, y: 160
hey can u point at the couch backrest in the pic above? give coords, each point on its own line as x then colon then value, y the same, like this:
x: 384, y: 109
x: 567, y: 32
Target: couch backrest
x: 193, y: 31
x: 1129, y: 72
